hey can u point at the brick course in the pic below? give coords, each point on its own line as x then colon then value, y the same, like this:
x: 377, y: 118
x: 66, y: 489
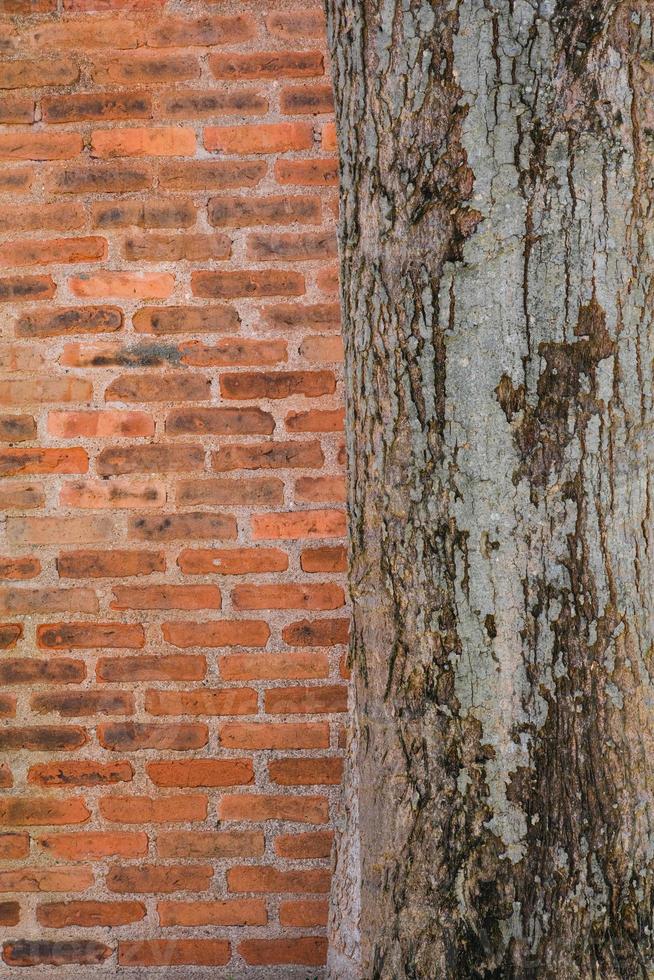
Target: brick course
x: 173, y: 607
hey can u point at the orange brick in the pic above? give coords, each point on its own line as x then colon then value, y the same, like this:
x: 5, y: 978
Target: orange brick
x: 273, y: 666
x: 242, y: 284
x: 94, y: 845
x: 274, y: 735
x: 305, y: 846
x: 201, y: 772
x: 161, y: 320
x: 316, y: 420
x: 163, y: 809
x: 288, y: 596
x: 307, y: 950
x: 151, y: 668
x: 127, y: 285
x: 164, y: 879
x: 256, y: 807
x: 220, y: 633
x: 229, y: 912
x: 20, y: 289
x: 88, y: 636
x: 47, y: 952
x: 269, y: 879
x: 267, y: 64
x: 118, y: 494
x: 258, y: 492
x: 319, y: 633
x: 232, y: 561
x: 235, y: 701
x: 303, y: 915
x: 327, y: 559
x: 181, y: 32
x: 307, y: 173
x: 80, y: 773
x: 99, y: 425
x: 210, y: 844
x: 301, y: 524
x: 21, y: 461
x: 58, y: 322
x: 40, y: 146
x: 89, y: 914
x: 301, y: 22
x: 38, y: 73
x: 32, y: 811
x: 53, y: 250
x: 19, y: 568
x: 320, y: 490
x: 14, y: 846
x: 306, y: 772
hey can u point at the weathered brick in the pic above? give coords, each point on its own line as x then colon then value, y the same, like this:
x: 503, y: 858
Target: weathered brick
x: 300, y: 524
x: 253, y: 138
x: 89, y: 914
x: 9, y: 913
x: 80, y: 773
x: 243, y: 212
x: 148, y: 213
x: 21, y: 289
x: 190, y: 526
x: 17, y: 428
x: 64, y: 321
x: 232, y: 352
x: 88, y: 636
x: 126, y: 285
x: 268, y: 455
x: 238, y: 701
x: 148, y: 388
x: 40, y: 146
x: 307, y: 173
x: 218, y: 421
x: 307, y: 950
x: 232, y: 561
x: 59, y: 530
x: 317, y: 633
x: 155, y: 458
x: 267, y: 64
x: 17, y: 110
x: 162, y: 809
x: 177, y: 248
x: 151, y: 668
x: 274, y: 735
x: 210, y: 844
x: 10, y: 634
x: 315, y: 99
x: 94, y: 845
x: 76, y: 108
x: 291, y: 246
x: 53, y: 952
x: 200, y: 104
x: 321, y: 316
x: 301, y: 22
x: 42, y: 738
x: 256, y: 807
x: 288, y: 596
x: 316, y: 420
x: 219, y: 633
x: 255, y: 283
x: 162, y: 320
x: 14, y: 846
x: 277, y: 384
x: 98, y: 425
x: 101, y: 179
x: 19, y: 567
x: 174, y: 952
x: 322, y: 350
x: 33, y: 811
x: 306, y: 772
x: 44, y: 461
x: 258, y: 491
x: 147, y: 68
x: 167, y: 597
x: 83, y: 704
x: 273, y: 666
x: 38, y: 73
x: 227, y: 912
x: 262, y: 879
x: 320, y: 490
x: 174, y: 32
x: 25, y: 670
x: 211, y: 174
x: 119, y: 494
x: 193, y: 773
x: 305, y: 846
x: 150, y: 879
x: 132, y: 736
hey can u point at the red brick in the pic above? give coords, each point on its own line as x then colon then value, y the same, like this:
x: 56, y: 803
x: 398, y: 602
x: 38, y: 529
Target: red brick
x: 100, y: 425
x: 119, y: 494
x: 300, y: 524
x: 274, y: 666
x: 189, y: 526
x: 140, y: 141
x: 14, y: 846
x: 256, y: 284
x: 16, y: 461
x: 267, y: 64
x: 94, y: 845
x: 151, y: 668
x: 203, y: 175
x: 127, y: 285
x: 16, y: 181
x: 307, y: 950
x: 305, y: 846
x: 19, y: 568
x: 269, y: 879
x: 306, y: 772
x: 131, y: 736
x: 174, y: 952
x: 210, y: 844
x: 58, y: 322
x: 316, y: 420
x: 329, y: 140
x: 31, y: 811
x: 254, y: 138
x: 219, y: 422
x: 85, y: 34
x: 274, y: 735
x: 268, y: 455
x: 109, y: 564
x: 227, y: 701
x: 291, y: 246
x: 150, y: 879
x: 89, y: 636
x: 277, y: 384
x: 21, y: 496
x: 219, y: 633
x: 192, y: 773
x: 322, y: 350
x: 228, y: 912
x: 288, y: 596
x: 19, y: 289
x: 148, y: 388
x: 236, y: 561
x: 257, y: 492
x: 80, y: 773
x: 38, y: 73
x: 52, y: 952
x: 7, y: 706
x: 283, y: 209
x: 307, y: 173
x: 162, y: 320
x: 174, y: 32
x: 306, y: 700
x: 17, y: 428
x: 61, y: 915
x: 163, y: 809
x: 301, y: 22
x: 248, y: 806
x: 39, y: 146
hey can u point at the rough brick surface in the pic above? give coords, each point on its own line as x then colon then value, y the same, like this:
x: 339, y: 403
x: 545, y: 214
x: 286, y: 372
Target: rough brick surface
x: 172, y: 604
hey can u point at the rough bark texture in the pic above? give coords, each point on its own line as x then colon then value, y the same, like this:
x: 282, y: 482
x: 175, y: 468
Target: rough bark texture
x: 497, y: 262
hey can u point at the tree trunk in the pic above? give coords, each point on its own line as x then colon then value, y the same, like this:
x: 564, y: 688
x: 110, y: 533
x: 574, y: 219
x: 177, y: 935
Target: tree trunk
x: 497, y: 260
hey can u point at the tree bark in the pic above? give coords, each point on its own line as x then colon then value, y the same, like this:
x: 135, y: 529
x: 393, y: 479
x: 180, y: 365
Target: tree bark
x: 497, y: 260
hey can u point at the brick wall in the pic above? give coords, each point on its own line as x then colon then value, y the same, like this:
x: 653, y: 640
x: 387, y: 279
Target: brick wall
x: 172, y: 605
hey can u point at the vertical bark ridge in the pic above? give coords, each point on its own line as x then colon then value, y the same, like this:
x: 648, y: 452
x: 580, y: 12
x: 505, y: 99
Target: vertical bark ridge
x: 496, y: 285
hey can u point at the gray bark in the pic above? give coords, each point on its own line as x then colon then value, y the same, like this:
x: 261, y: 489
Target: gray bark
x: 497, y: 261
